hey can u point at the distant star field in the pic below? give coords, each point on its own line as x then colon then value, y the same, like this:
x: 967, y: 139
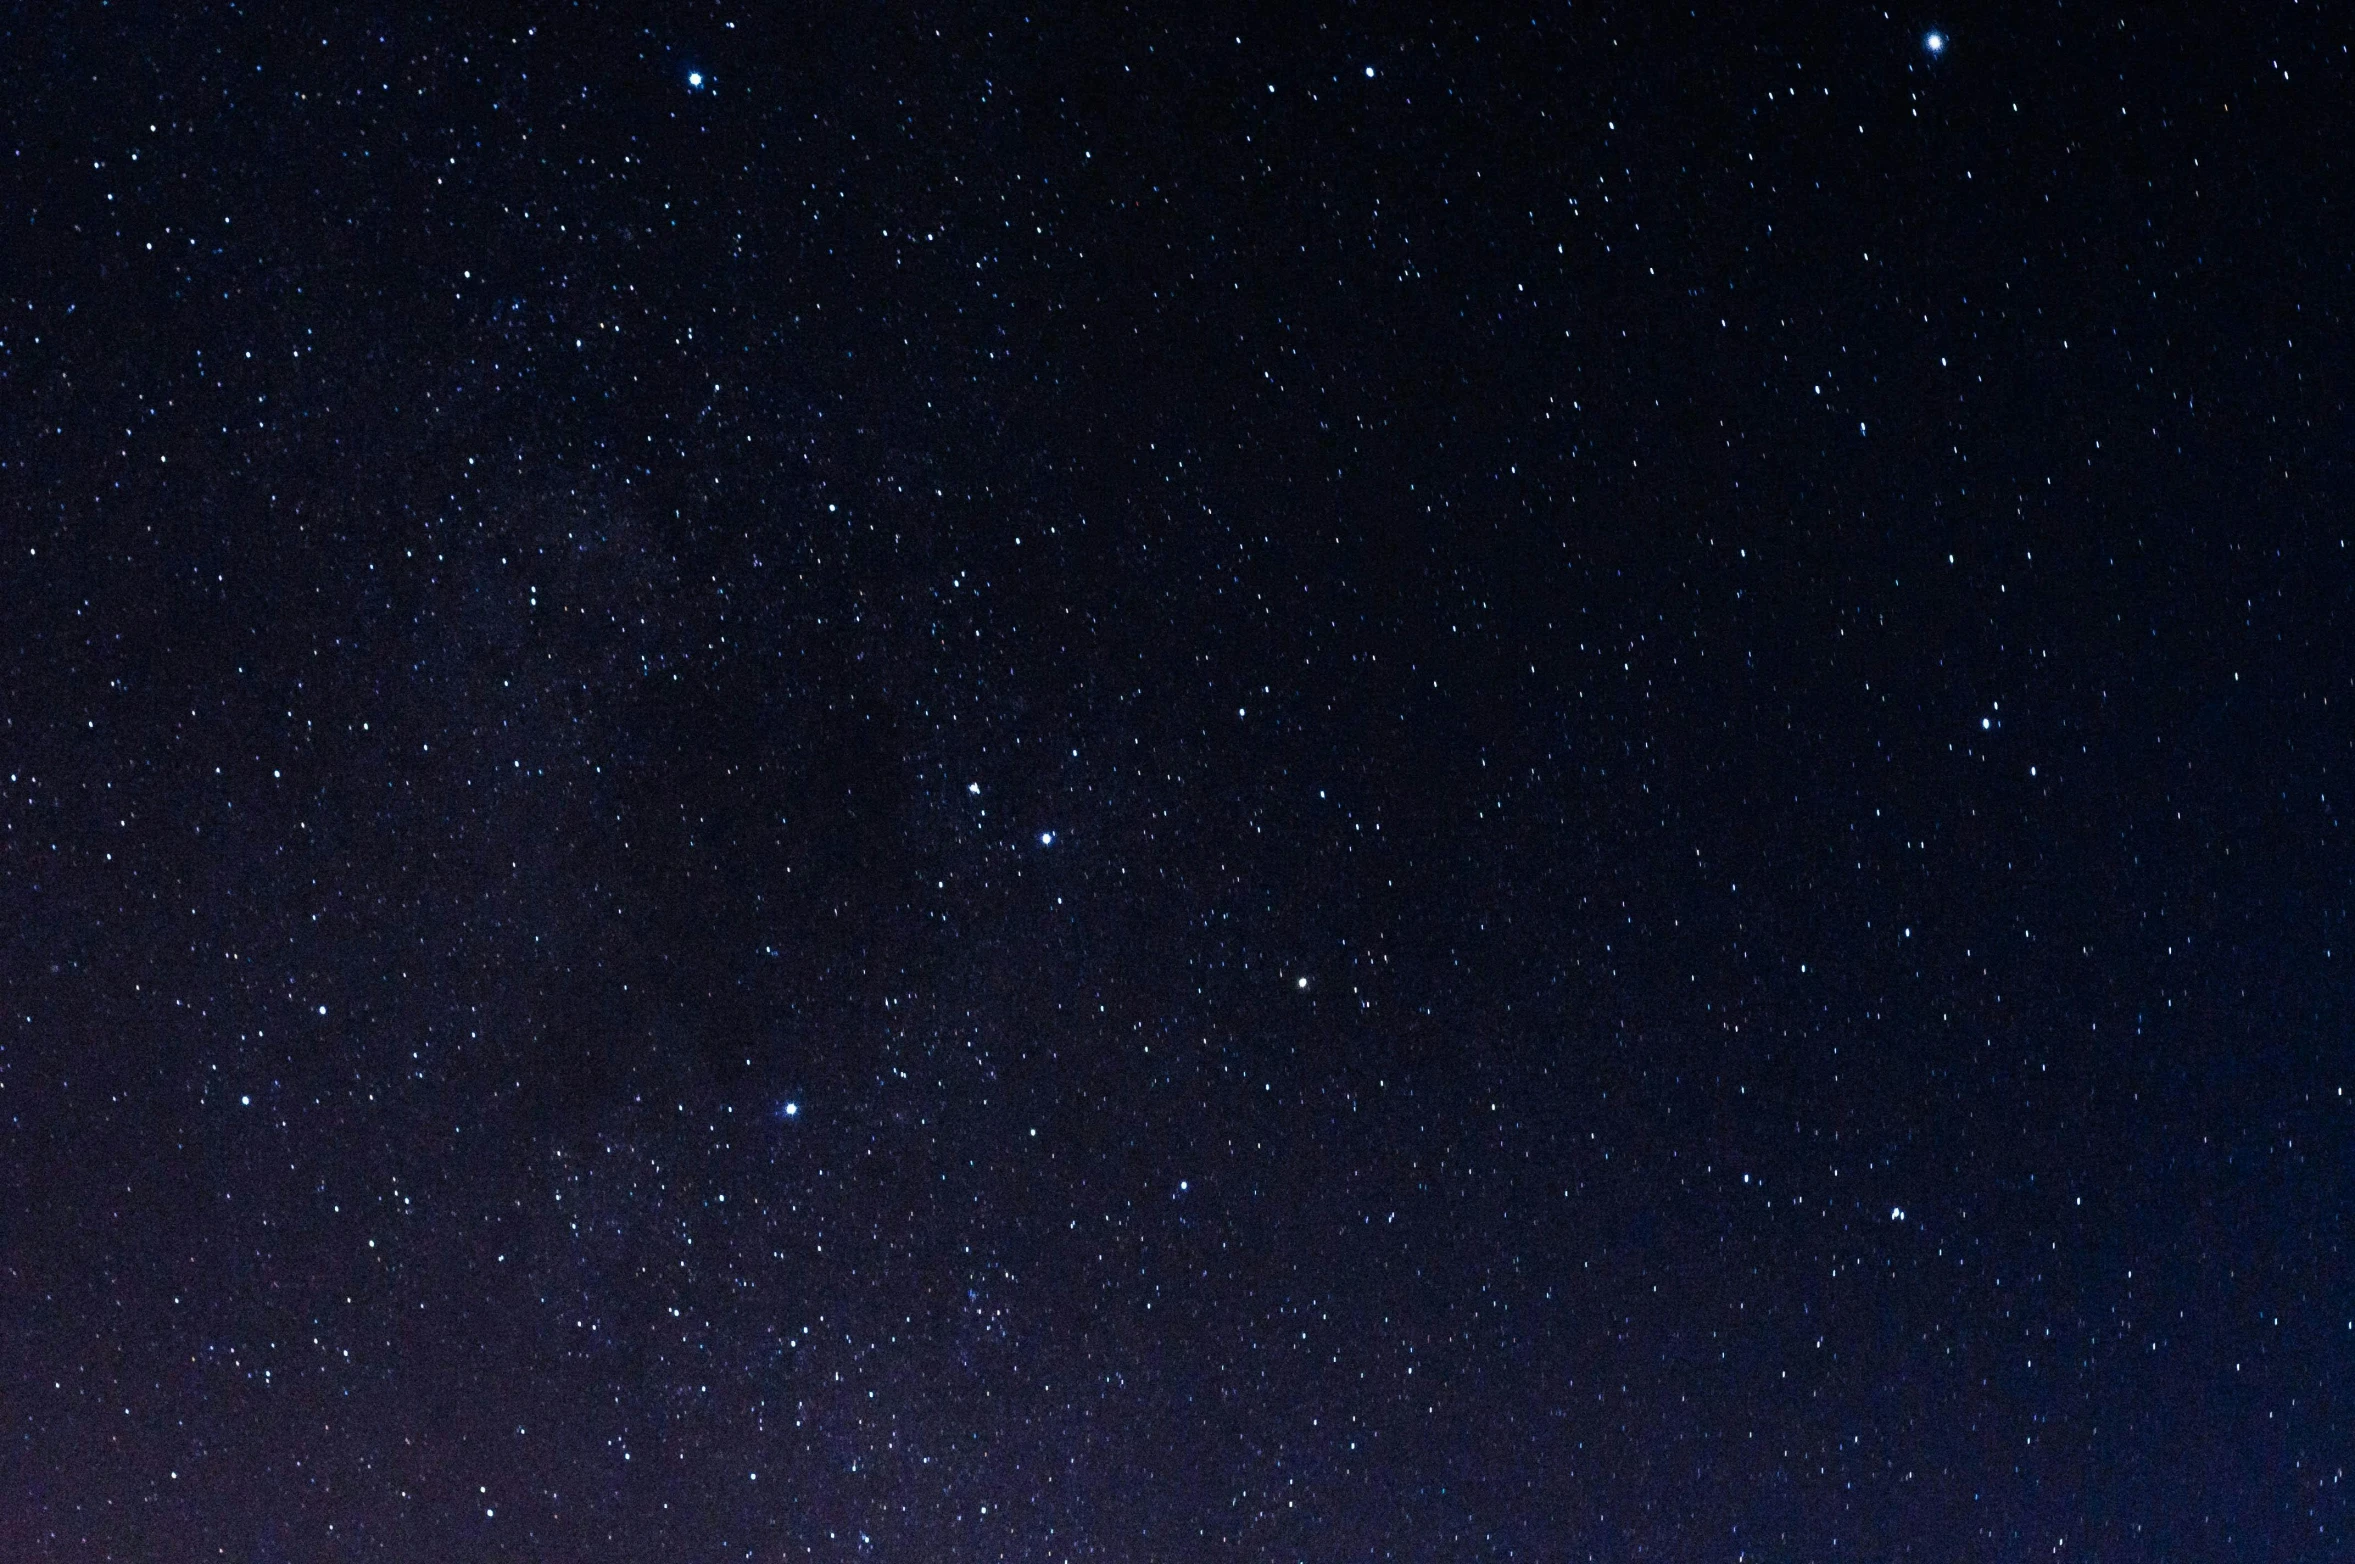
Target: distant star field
x: 1298, y: 784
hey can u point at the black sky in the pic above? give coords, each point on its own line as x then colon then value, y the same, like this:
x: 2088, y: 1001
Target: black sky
x: 1048, y: 783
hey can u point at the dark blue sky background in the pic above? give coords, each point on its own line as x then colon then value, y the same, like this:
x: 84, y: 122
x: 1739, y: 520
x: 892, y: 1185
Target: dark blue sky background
x: 1497, y: 784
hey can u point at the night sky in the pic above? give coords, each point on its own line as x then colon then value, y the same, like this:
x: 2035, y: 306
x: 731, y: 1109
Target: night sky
x: 1177, y: 784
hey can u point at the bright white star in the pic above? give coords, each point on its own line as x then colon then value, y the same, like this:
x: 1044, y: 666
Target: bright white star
x: 1934, y: 42
x: 695, y: 81
x: 1046, y: 839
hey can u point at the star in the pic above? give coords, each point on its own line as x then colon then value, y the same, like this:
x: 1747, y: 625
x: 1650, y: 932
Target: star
x: 695, y: 80
x: 1934, y: 42
x: 1046, y: 839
